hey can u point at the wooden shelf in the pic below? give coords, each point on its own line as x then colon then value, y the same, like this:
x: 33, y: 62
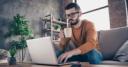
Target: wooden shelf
x: 46, y: 30
x: 53, y: 30
x: 56, y: 40
x: 58, y: 22
x: 45, y: 19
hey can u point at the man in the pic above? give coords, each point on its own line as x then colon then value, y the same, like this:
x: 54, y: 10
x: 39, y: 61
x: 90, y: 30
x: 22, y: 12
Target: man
x: 82, y: 45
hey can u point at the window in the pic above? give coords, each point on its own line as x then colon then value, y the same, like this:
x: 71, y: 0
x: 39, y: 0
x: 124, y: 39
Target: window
x: 96, y: 11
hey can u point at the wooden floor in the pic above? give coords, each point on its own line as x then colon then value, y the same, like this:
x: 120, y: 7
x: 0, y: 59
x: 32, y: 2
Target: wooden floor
x: 35, y: 65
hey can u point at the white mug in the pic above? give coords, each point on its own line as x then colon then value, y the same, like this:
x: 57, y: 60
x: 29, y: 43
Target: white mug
x: 68, y: 32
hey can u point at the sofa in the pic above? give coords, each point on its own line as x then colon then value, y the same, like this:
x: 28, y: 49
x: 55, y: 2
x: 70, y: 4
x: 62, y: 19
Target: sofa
x: 110, y: 41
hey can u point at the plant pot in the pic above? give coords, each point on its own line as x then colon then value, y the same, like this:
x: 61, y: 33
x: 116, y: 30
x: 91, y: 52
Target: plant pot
x: 12, y: 60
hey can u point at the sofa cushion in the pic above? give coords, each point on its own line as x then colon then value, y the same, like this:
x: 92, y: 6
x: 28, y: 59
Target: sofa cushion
x: 122, y: 53
x: 111, y: 40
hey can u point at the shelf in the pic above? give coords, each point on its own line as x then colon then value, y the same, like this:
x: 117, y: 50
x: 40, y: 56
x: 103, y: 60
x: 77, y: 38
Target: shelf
x: 58, y: 22
x: 56, y: 40
x: 44, y: 19
x: 50, y: 30
x: 53, y: 30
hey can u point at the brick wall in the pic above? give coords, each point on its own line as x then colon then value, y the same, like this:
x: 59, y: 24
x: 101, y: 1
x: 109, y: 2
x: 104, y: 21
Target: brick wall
x: 117, y: 13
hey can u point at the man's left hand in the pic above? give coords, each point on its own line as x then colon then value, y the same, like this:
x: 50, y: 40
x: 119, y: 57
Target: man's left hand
x: 64, y: 57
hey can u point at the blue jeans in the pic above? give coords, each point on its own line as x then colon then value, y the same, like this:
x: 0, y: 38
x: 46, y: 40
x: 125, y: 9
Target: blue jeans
x: 93, y: 56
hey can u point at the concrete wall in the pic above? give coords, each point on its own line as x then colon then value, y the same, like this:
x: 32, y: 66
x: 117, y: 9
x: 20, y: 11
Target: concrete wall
x: 33, y: 10
x: 117, y: 13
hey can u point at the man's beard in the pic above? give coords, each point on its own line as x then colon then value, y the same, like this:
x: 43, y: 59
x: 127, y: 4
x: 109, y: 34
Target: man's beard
x: 73, y: 22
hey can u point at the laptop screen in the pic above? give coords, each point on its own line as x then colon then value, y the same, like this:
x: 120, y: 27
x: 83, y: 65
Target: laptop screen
x: 42, y: 50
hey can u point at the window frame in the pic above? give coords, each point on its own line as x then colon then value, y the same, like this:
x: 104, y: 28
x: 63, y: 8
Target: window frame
x: 96, y: 9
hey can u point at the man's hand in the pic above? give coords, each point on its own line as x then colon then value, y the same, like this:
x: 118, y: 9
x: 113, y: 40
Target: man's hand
x: 64, y: 57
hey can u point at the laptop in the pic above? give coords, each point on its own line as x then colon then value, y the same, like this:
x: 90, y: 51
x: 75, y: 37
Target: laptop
x: 42, y: 51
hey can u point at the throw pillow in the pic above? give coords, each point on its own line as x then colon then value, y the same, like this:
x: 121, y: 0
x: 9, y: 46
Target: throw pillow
x: 122, y: 53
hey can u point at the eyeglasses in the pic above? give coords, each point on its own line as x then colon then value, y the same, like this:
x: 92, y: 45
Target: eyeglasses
x: 71, y: 14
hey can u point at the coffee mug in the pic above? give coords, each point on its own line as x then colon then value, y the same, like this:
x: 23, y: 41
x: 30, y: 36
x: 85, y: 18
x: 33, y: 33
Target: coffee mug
x: 68, y: 32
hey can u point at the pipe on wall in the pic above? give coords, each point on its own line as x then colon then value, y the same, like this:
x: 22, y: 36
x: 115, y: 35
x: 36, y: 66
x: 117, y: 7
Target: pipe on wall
x: 126, y: 6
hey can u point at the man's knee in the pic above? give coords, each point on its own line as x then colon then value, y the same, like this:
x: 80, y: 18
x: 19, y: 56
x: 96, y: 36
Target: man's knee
x: 93, y: 57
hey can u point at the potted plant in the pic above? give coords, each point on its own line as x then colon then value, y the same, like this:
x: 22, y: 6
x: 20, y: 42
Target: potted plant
x: 19, y: 27
x: 12, y: 51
